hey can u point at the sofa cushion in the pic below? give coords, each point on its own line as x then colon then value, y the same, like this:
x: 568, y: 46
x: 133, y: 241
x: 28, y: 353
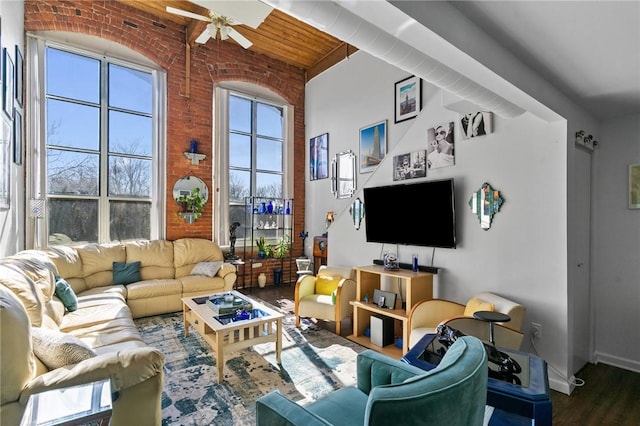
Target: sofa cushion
x: 25, y: 290
x: 209, y: 269
x: 18, y: 355
x: 474, y: 305
x: 69, y: 266
x: 66, y: 294
x: 156, y: 258
x: 126, y: 273
x: 97, y: 262
x: 56, y: 349
x: 187, y: 252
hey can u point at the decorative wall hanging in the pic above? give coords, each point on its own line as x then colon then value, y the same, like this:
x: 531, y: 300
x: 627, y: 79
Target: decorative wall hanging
x: 408, y: 98
x: 373, y: 146
x: 192, y: 194
x: 19, y: 76
x: 5, y: 162
x: 477, y: 123
x: 343, y: 174
x: 410, y: 166
x: 7, y: 83
x: 634, y: 186
x: 357, y: 212
x: 319, y: 157
x: 440, y: 148
x: 485, y: 203
x: 17, y: 136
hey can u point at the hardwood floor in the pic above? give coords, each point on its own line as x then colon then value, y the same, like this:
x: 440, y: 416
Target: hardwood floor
x: 609, y: 396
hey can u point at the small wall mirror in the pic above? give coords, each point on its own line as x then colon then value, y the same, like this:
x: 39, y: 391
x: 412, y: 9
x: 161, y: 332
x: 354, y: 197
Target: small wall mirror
x: 485, y: 203
x: 343, y: 177
x: 184, y: 185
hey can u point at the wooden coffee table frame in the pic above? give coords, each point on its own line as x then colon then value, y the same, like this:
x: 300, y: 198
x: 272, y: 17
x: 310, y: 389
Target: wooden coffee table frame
x: 235, y: 335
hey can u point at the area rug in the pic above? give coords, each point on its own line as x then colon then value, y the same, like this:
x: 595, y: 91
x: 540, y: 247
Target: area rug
x: 314, y: 362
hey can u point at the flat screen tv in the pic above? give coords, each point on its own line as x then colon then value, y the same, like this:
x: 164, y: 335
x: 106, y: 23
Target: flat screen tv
x: 419, y: 214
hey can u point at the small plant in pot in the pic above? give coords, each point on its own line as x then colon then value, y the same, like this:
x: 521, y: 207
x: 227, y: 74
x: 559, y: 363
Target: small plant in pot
x: 193, y: 202
x: 281, y: 249
x: 262, y: 245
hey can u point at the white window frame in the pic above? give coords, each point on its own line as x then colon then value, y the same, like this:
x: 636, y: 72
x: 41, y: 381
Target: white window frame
x: 35, y: 107
x: 221, y: 150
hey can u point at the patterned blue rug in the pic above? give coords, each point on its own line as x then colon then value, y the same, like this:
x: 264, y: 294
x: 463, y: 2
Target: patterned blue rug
x: 314, y: 362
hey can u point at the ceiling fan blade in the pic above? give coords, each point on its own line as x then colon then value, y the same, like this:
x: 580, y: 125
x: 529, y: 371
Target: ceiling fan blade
x: 239, y: 38
x: 203, y: 37
x: 188, y: 14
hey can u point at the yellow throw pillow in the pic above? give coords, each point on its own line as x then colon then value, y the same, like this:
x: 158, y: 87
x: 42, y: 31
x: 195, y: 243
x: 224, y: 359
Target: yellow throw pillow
x: 326, y: 284
x: 475, y: 305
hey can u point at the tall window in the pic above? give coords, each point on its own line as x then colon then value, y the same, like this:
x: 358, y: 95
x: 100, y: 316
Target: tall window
x: 100, y: 148
x: 256, y: 143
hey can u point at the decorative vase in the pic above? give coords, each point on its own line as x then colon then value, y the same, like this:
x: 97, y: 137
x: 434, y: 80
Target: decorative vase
x: 262, y: 280
x: 270, y: 207
x: 288, y: 210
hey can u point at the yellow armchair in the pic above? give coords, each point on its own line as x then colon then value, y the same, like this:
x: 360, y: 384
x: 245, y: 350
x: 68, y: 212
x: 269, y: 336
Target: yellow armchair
x: 425, y: 317
x: 326, y: 295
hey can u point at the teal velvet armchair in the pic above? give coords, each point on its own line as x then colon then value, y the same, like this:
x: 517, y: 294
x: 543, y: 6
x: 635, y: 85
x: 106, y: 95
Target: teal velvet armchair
x: 391, y: 392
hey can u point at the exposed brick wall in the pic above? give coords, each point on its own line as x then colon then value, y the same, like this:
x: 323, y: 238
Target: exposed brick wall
x: 189, y: 117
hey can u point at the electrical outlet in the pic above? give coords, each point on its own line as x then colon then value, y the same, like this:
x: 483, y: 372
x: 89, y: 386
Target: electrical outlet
x: 536, y: 330
x: 256, y: 265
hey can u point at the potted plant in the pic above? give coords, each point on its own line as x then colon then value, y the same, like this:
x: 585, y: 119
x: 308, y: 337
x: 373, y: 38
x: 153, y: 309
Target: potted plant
x: 261, y: 243
x: 281, y: 249
x: 192, y: 203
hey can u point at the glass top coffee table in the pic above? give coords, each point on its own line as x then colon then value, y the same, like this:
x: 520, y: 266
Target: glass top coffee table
x: 232, y: 321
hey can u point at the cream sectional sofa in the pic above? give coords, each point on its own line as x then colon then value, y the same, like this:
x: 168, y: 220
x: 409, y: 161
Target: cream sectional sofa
x: 103, y: 320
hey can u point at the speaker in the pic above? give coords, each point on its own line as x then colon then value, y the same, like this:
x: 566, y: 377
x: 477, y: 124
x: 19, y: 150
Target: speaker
x: 381, y: 330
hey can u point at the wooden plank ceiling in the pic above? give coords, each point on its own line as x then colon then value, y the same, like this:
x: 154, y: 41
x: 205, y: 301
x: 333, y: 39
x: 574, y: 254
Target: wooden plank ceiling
x: 280, y: 36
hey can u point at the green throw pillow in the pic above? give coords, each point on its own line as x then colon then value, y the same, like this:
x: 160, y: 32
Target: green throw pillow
x: 126, y: 273
x: 66, y: 294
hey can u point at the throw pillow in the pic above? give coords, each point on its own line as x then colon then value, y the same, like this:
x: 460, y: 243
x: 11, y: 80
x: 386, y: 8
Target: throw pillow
x: 66, y: 294
x: 210, y: 269
x: 475, y: 305
x: 126, y: 273
x: 56, y: 349
x: 326, y: 284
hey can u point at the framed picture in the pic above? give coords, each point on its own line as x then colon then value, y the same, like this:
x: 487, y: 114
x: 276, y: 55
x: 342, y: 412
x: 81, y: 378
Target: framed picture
x: 319, y: 157
x: 17, y: 136
x: 19, y: 76
x: 408, y: 98
x: 410, y: 166
x: 7, y: 83
x: 373, y: 146
x: 5, y: 162
x: 477, y: 123
x: 634, y: 186
x: 440, y: 148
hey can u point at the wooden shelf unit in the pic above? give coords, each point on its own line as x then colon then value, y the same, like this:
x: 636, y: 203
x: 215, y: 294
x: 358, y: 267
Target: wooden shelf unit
x: 418, y: 286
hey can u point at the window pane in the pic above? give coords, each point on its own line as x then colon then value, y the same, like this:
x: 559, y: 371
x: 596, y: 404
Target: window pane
x: 72, y: 76
x: 129, y: 177
x: 269, y: 156
x: 237, y: 214
x: 72, y: 172
x: 239, y: 185
x: 73, y: 125
x: 239, y: 114
x: 130, y: 89
x: 239, y: 150
x: 269, y: 121
x: 73, y: 219
x: 129, y: 220
x: 269, y: 185
x: 130, y: 133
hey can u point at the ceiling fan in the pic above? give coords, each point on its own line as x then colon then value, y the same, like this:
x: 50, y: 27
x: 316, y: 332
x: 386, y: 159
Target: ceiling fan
x: 223, y: 15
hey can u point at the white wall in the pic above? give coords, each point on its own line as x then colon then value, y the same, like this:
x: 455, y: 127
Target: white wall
x: 11, y: 227
x: 616, y: 246
x: 524, y: 254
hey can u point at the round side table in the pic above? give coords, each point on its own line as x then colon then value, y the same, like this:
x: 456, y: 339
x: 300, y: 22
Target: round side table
x: 491, y: 317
